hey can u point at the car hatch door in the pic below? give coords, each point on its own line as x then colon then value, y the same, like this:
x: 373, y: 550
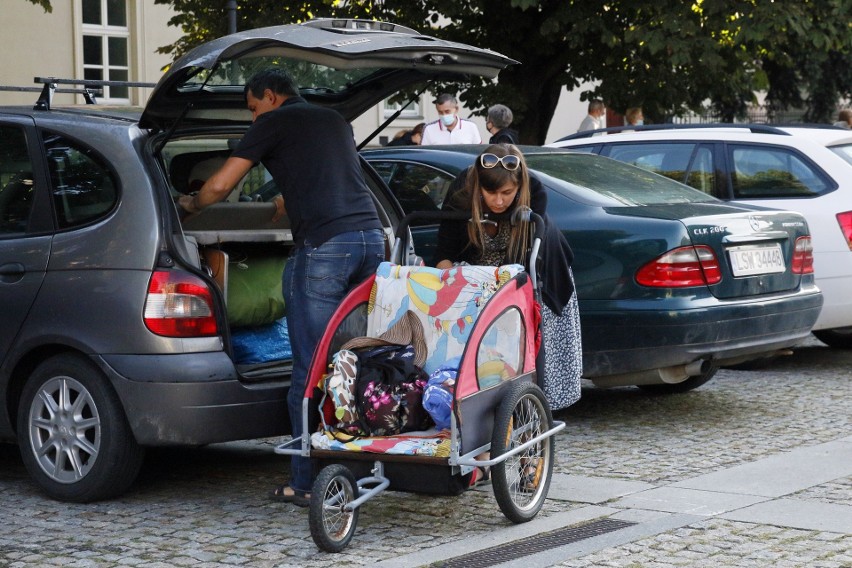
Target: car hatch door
x: 348, y: 65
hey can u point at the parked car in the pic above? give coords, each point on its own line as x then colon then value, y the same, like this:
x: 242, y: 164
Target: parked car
x: 123, y: 327
x: 803, y: 169
x: 671, y: 282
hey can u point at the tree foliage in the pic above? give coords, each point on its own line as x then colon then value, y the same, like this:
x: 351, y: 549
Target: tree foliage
x: 45, y: 4
x: 667, y: 56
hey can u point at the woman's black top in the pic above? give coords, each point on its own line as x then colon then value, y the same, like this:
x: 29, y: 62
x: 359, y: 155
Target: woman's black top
x: 555, y: 255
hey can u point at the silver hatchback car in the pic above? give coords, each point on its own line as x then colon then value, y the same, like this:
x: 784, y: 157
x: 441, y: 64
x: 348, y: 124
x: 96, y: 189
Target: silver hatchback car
x: 122, y: 327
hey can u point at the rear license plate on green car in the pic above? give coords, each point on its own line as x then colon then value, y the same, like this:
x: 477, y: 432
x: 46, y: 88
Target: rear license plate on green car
x: 749, y: 260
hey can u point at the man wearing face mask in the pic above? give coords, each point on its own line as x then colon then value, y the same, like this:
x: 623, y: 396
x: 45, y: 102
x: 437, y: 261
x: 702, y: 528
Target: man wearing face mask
x: 450, y: 128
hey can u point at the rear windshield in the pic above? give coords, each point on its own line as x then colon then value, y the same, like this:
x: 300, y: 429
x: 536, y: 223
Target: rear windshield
x: 844, y: 152
x: 619, y: 183
x: 234, y: 74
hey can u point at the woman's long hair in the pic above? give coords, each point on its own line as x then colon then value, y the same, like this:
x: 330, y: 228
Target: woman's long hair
x: 479, y: 180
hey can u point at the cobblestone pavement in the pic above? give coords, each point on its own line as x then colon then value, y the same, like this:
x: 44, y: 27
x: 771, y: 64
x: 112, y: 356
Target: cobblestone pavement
x: 208, y: 507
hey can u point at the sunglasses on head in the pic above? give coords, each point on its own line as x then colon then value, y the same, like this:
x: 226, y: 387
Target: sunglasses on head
x: 509, y: 162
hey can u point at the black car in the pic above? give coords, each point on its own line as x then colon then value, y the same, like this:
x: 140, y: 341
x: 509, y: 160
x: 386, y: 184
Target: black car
x: 123, y: 327
x: 672, y: 283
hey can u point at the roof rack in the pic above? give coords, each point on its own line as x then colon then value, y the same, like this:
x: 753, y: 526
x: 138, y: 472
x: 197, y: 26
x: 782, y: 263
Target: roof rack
x: 46, y: 98
x: 756, y: 128
x: 90, y: 94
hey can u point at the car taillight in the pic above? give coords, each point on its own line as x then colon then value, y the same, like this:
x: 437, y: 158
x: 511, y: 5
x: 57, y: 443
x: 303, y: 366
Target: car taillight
x: 681, y: 267
x: 845, y: 220
x: 803, y: 256
x: 179, y: 305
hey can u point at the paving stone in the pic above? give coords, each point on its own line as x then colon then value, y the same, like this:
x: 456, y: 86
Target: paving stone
x: 208, y: 507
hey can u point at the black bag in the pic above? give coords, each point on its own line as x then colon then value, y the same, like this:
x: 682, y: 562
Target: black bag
x: 389, y: 391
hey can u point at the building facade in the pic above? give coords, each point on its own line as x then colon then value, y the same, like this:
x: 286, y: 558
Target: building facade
x: 112, y: 40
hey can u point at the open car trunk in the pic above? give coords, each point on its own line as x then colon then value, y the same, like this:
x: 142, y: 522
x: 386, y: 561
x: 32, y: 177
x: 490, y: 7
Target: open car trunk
x: 199, y: 109
x: 236, y: 244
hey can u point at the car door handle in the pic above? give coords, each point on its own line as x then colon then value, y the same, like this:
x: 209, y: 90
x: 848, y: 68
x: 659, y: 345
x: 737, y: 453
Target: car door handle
x: 11, y: 272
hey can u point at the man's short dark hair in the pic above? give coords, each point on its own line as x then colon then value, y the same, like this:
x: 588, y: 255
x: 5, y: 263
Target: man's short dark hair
x: 277, y: 80
x: 446, y: 98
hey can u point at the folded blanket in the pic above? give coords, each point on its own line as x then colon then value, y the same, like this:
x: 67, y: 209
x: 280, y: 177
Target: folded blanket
x: 434, y: 443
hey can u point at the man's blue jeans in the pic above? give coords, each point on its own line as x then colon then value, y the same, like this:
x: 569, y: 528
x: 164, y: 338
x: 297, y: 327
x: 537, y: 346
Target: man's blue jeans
x: 315, y: 281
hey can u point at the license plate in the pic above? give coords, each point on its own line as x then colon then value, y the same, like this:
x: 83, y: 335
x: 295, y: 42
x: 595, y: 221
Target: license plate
x: 749, y: 260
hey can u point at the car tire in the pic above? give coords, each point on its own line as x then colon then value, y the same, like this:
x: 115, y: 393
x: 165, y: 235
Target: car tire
x: 838, y: 338
x: 74, y: 437
x: 689, y: 384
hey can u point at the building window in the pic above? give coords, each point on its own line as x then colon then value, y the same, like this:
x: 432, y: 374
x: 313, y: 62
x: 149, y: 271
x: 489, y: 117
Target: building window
x: 106, y: 45
x: 411, y: 111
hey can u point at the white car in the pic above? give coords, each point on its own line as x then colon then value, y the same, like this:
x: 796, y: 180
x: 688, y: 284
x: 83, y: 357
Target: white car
x: 804, y: 169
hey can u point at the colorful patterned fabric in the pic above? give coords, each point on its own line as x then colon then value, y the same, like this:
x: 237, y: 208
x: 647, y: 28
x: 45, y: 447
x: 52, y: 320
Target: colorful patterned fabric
x: 430, y: 443
x: 340, y: 387
x: 446, y: 301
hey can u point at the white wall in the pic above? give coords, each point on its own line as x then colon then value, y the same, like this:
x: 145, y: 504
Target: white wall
x: 34, y: 43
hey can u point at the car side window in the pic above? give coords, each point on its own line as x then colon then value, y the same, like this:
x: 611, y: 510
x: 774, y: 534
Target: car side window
x: 17, y: 188
x: 670, y: 160
x: 686, y: 162
x: 82, y: 185
x: 415, y: 186
x: 761, y: 172
x: 702, y: 174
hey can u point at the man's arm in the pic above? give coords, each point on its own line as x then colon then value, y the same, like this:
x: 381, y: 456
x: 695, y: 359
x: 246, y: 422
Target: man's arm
x: 218, y: 186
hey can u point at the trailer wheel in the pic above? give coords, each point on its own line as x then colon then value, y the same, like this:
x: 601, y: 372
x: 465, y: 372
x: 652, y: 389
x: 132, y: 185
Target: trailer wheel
x: 332, y: 527
x: 521, y: 482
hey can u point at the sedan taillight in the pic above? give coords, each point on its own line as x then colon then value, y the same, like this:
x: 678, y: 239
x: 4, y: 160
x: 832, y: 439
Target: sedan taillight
x: 845, y: 220
x: 179, y: 305
x: 680, y: 268
x: 803, y: 256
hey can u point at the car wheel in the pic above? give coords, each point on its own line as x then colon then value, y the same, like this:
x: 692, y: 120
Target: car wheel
x: 839, y: 337
x: 689, y: 384
x: 75, y: 440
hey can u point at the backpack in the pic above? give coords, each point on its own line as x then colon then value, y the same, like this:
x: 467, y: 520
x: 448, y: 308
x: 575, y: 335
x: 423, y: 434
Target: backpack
x: 389, y: 391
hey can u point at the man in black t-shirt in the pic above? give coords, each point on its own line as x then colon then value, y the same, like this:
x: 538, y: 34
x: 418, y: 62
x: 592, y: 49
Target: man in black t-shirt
x: 310, y: 153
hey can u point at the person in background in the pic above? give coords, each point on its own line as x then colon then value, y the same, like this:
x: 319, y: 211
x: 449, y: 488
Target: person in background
x: 594, y: 119
x: 634, y: 117
x: 411, y: 137
x: 496, y: 186
x: 497, y: 123
x: 844, y: 119
x: 310, y: 152
x: 450, y: 128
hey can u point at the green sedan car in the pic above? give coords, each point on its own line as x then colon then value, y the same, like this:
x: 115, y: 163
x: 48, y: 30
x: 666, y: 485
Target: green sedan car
x: 672, y: 283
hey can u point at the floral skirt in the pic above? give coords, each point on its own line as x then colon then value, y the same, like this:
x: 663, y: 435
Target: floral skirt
x: 563, y: 354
